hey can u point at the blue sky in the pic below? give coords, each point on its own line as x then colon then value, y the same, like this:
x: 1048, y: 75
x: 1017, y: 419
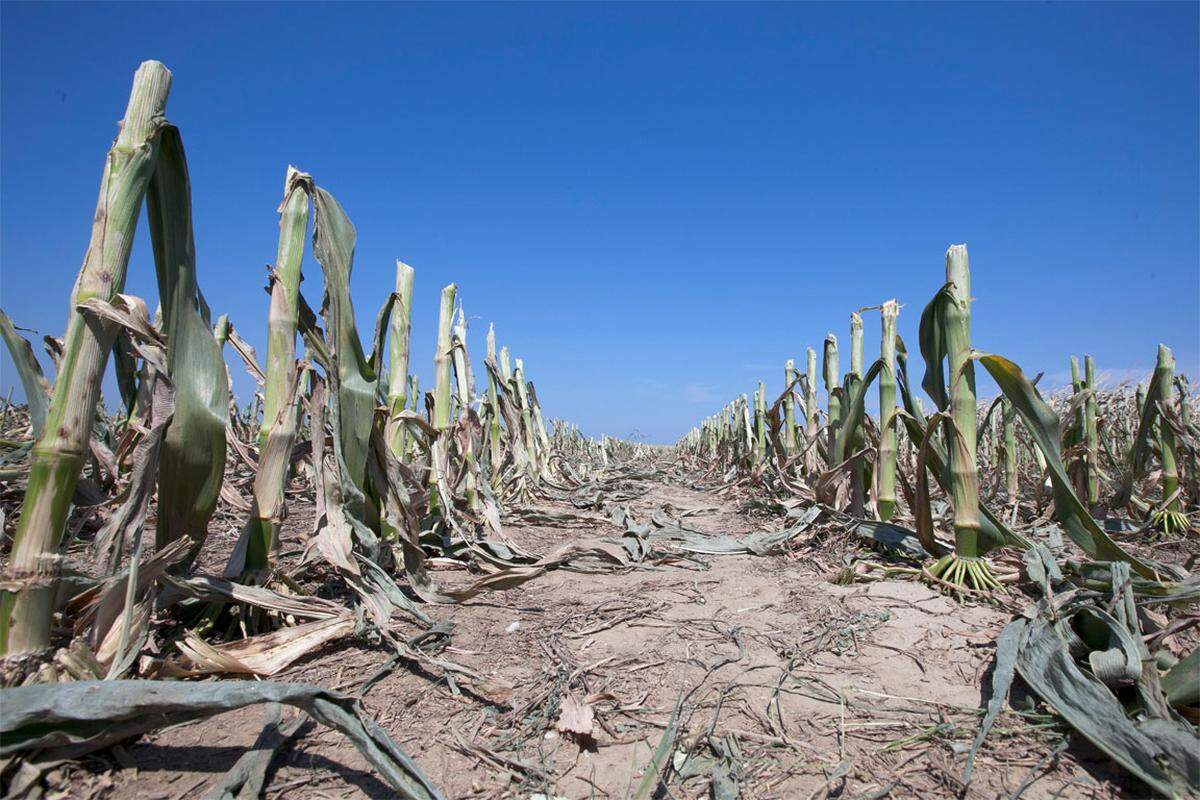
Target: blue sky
x: 655, y: 204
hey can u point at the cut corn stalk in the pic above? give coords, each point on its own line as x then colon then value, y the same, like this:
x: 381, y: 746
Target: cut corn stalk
x: 531, y: 439
x: 946, y: 334
x: 810, y: 413
x: 280, y: 390
x: 789, y: 408
x: 398, y: 336
x: 760, y: 423
x: 493, y: 404
x: 1091, y: 435
x: 1008, y: 421
x: 852, y: 381
x: 856, y: 344
x: 442, y: 360
x: 885, y: 495
x: 1169, y: 518
x: 26, y: 606
x: 830, y: 369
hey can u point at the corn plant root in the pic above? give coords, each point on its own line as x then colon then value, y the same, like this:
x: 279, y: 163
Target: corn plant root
x: 1169, y: 522
x: 957, y: 573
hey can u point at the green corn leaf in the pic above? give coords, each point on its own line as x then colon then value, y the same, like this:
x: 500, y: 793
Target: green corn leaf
x: 993, y: 532
x: 1139, y: 455
x: 192, y: 461
x: 1182, y: 681
x: 852, y: 412
x: 353, y: 380
x: 934, y: 348
x: 1043, y: 425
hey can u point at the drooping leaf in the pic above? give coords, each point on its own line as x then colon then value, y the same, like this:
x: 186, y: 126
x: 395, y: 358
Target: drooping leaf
x: 1007, y: 647
x: 352, y: 380
x: 994, y: 533
x: 1182, y: 681
x: 192, y: 459
x: 1043, y: 425
x: 37, y: 389
x: 1139, y: 453
x: 852, y: 413
x: 69, y: 720
x: 1165, y: 756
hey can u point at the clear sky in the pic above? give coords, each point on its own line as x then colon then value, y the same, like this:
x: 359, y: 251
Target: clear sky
x: 656, y: 204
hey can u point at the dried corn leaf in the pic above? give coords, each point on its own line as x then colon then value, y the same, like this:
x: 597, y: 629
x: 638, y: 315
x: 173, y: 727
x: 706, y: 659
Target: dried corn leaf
x: 263, y: 655
x: 37, y: 388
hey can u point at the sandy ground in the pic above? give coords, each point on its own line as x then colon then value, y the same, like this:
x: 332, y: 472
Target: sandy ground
x: 788, y: 686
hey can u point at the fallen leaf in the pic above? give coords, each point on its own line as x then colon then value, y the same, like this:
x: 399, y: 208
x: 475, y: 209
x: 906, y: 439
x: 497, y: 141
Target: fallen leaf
x: 575, y: 717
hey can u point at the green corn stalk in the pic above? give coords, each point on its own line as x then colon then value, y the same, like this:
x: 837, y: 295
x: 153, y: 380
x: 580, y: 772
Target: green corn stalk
x: 789, y: 407
x: 856, y: 344
x: 398, y: 336
x: 442, y: 389
x: 1077, y: 389
x: 885, y: 500
x: 1169, y: 519
x: 1040, y: 458
x: 760, y: 423
x: 746, y: 427
x: 830, y: 368
x: 493, y: 403
x: 531, y: 439
x: 27, y: 606
x: 1008, y: 424
x: 505, y: 366
x: 462, y: 365
x: 442, y: 360
x: 414, y: 393
x: 538, y: 420
x: 810, y: 413
x: 853, y: 378
x: 1075, y: 432
x: 929, y: 452
x: 1185, y: 416
x: 965, y: 566
x: 1091, y: 434
x: 462, y: 374
x: 262, y: 528
x: 192, y: 456
x: 33, y: 381
x: 726, y: 421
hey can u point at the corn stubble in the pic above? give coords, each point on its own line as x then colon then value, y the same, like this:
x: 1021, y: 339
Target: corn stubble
x: 1090, y: 454
x: 399, y: 477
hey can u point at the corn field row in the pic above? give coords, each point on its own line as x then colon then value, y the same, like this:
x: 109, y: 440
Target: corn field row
x: 402, y: 482
x: 1113, y: 470
x: 1109, y: 458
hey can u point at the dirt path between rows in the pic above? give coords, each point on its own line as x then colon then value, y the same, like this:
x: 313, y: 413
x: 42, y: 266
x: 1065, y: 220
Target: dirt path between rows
x: 793, y: 687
